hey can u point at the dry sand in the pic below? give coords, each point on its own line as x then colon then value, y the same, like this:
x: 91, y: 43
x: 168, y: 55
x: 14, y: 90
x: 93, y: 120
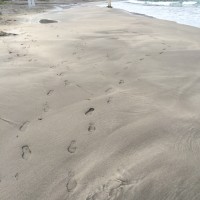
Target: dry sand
x: 103, y: 105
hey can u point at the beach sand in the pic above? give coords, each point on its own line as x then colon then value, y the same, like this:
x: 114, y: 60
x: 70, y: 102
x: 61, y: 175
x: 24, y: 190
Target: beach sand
x: 103, y: 105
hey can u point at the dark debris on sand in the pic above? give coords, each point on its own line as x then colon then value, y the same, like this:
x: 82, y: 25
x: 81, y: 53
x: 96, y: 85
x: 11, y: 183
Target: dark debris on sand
x: 3, y: 34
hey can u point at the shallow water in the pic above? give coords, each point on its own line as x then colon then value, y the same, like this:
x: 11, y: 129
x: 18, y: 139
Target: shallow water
x: 188, y: 13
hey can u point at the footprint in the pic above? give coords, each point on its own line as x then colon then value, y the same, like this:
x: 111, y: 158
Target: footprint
x: 72, y: 147
x: 61, y: 74
x: 89, y: 111
x: 46, y: 107
x: 121, y: 82
x: 109, y: 89
x: 112, y: 190
x: 141, y: 59
x: 64, y: 61
x: 71, y: 182
x: 91, y: 127
x: 50, y: 92
x: 26, y: 152
x: 16, y: 176
x: 161, y: 52
x: 66, y: 82
x: 24, y: 126
x: 109, y: 100
x: 20, y: 55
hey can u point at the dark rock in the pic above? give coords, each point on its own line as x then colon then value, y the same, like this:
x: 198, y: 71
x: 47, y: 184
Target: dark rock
x: 47, y: 21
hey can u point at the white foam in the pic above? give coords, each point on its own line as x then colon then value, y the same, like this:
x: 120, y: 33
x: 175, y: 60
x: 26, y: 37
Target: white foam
x: 187, y: 13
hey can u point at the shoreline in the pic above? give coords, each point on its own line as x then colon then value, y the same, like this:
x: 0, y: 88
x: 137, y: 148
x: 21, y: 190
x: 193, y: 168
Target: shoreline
x: 7, y: 19
x: 163, y: 20
x: 170, y: 13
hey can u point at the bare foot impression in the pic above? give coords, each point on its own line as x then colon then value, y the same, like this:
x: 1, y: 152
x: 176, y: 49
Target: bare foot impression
x: 109, y: 89
x: 121, y: 82
x: 113, y: 189
x: 91, y: 127
x: 109, y: 100
x: 16, y: 176
x: 71, y: 182
x: 50, y: 92
x: 72, y: 147
x: 66, y: 82
x: 61, y: 74
x: 46, y: 107
x: 26, y: 152
x: 89, y: 111
x: 24, y: 125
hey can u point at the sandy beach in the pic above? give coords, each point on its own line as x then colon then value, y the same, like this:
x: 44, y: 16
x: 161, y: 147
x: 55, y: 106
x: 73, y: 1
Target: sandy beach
x: 102, y: 105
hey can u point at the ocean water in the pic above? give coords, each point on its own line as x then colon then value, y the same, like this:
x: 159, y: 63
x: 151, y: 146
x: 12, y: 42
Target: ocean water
x: 187, y: 13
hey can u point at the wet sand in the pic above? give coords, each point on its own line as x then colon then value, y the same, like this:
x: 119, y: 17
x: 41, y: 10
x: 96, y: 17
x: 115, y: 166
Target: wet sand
x: 103, y: 105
